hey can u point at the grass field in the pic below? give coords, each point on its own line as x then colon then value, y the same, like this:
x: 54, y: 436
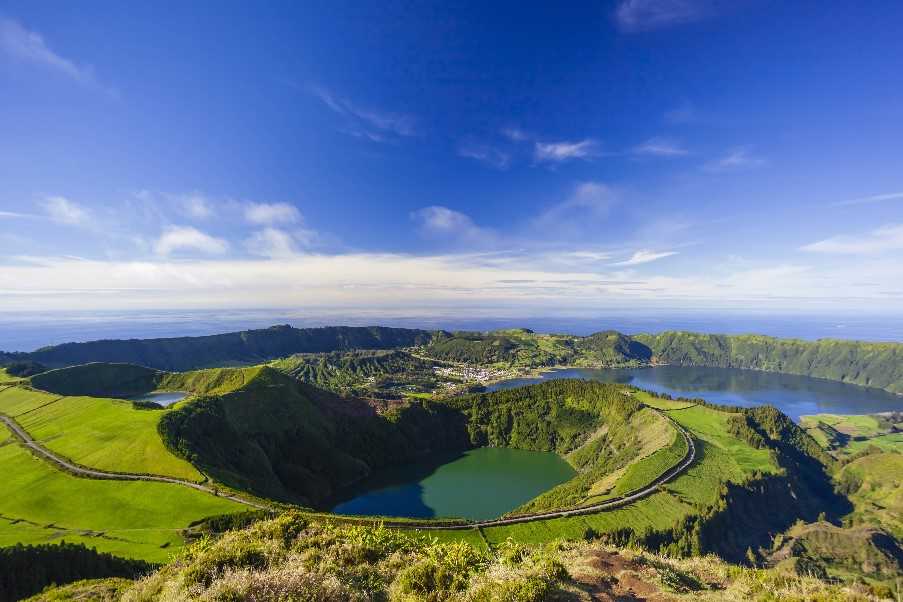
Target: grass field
x: 7, y: 378
x: 41, y: 504
x: 879, y: 495
x: 848, y: 435
x: 108, y: 434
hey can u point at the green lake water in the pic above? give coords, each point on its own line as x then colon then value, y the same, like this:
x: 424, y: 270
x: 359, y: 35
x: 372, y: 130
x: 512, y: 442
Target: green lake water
x: 477, y: 484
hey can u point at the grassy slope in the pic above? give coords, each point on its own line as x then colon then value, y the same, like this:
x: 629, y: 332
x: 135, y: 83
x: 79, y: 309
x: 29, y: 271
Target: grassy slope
x: 6, y: 378
x: 108, y: 434
x: 720, y: 458
x: 848, y: 435
x: 137, y: 519
x: 878, y: 498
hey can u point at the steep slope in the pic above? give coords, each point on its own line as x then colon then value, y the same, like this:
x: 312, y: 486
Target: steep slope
x: 281, y: 438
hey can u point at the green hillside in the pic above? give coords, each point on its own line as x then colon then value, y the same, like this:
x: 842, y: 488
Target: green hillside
x: 246, y: 347
x: 108, y: 434
x: 868, y: 364
x: 281, y: 438
x: 361, y: 372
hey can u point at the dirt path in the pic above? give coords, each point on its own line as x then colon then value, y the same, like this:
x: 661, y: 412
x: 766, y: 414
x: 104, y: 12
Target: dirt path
x: 92, y: 473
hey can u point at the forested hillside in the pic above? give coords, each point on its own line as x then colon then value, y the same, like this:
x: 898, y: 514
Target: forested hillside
x: 287, y: 440
x: 868, y: 364
x: 245, y: 347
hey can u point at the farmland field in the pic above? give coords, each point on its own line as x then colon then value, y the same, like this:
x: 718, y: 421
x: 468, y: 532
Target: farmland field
x: 107, y: 434
x: 41, y: 504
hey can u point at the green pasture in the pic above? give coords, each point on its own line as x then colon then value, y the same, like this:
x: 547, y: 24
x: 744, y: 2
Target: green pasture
x: 41, y: 504
x: 107, y: 434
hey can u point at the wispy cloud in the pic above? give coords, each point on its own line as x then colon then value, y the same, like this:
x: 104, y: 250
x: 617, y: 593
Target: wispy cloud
x: 877, y: 198
x: 197, y: 206
x: 515, y: 134
x: 365, y: 121
x: 587, y: 205
x: 437, y: 221
x: 272, y: 213
x: 272, y: 242
x: 15, y: 215
x: 29, y: 47
x: 63, y: 211
x: 736, y: 159
x: 645, y: 15
x: 881, y: 240
x: 660, y: 147
x: 187, y: 238
x: 485, y: 154
x: 644, y: 256
x: 559, y: 152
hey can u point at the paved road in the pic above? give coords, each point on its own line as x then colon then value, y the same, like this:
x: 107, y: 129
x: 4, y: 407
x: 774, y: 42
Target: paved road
x: 29, y: 442
x: 92, y: 473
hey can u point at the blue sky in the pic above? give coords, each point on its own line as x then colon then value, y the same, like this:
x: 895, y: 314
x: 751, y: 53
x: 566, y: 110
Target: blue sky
x: 418, y: 157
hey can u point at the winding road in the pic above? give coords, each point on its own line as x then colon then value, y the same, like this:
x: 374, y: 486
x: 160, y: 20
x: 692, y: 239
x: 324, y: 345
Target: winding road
x: 91, y: 473
x: 606, y: 505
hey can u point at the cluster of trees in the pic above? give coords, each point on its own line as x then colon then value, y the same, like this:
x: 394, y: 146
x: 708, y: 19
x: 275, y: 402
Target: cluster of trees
x: 26, y: 570
x: 360, y: 372
x: 24, y: 368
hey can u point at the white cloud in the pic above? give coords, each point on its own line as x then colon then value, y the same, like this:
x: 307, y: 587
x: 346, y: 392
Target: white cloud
x: 364, y: 120
x: 442, y: 222
x: 886, y: 238
x: 646, y: 15
x: 485, y: 154
x: 735, y: 160
x: 589, y: 202
x: 558, y: 152
x: 645, y: 256
x: 660, y: 147
x: 197, y: 206
x: 13, y: 214
x: 29, y: 47
x: 459, y: 282
x: 515, y: 134
x: 877, y: 198
x: 62, y: 210
x: 272, y: 213
x: 179, y: 238
x: 273, y: 243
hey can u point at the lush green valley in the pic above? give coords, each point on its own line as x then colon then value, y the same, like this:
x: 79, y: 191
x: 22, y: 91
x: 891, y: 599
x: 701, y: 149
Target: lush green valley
x: 819, y: 499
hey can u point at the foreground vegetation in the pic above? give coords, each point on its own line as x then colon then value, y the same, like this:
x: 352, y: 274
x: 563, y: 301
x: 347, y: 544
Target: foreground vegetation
x: 293, y: 558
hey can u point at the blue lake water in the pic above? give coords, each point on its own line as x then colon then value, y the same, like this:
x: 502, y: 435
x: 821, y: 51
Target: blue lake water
x: 477, y: 484
x: 794, y: 395
x: 163, y: 398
